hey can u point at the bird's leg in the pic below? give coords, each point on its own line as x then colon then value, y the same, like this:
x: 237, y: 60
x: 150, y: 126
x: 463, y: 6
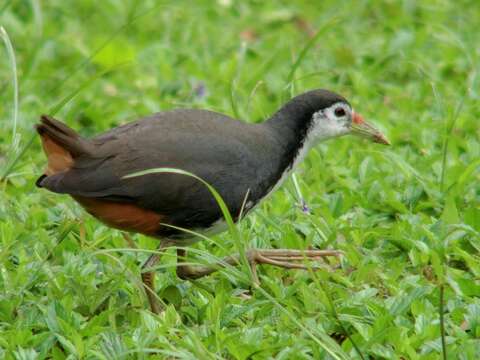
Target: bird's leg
x: 148, y: 279
x: 129, y: 240
x: 285, y: 258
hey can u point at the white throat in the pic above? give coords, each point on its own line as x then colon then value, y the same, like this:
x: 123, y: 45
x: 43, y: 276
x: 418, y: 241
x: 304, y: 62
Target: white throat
x: 324, y: 126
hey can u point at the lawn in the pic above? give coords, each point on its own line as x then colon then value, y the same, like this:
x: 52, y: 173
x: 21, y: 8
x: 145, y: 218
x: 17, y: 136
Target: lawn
x: 407, y: 217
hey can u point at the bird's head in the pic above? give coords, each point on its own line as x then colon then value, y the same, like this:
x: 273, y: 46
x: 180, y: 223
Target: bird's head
x: 331, y: 115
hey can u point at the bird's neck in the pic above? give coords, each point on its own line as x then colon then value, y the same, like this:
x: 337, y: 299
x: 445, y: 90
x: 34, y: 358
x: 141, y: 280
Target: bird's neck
x: 288, y: 135
x: 290, y: 127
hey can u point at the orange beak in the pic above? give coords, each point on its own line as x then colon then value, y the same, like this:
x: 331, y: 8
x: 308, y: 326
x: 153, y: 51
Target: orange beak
x: 363, y: 129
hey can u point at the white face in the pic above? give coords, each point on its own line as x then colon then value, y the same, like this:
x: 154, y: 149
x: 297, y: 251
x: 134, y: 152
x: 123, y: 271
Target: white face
x: 333, y: 121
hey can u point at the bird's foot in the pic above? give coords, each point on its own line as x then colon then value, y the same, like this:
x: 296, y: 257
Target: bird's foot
x: 285, y: 258
x: 288, y: 258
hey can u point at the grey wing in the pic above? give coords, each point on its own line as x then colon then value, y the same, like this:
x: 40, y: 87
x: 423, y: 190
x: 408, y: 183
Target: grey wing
x: 222, y: 160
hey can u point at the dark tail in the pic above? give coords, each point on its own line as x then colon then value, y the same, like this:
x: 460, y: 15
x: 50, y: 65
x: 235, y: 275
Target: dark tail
x: 61, y: 145
x: 63, y: 136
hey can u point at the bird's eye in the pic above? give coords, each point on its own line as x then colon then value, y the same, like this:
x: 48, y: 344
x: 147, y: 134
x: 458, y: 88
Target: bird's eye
x: 339, y: 112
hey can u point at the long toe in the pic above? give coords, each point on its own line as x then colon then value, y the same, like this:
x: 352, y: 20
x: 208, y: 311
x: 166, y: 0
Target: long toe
x: 290, y: 259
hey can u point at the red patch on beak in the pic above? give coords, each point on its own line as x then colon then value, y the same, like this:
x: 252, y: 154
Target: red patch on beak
x: 357, y: 119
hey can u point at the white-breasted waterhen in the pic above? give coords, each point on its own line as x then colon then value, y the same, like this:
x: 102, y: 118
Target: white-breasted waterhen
x: 238, y: 159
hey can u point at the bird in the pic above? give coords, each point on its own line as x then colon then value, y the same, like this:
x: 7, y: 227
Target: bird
x: 243, y: 161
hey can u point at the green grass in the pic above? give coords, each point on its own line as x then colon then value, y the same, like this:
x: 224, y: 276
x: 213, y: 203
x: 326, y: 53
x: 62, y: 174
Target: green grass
x: 407, y: 217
